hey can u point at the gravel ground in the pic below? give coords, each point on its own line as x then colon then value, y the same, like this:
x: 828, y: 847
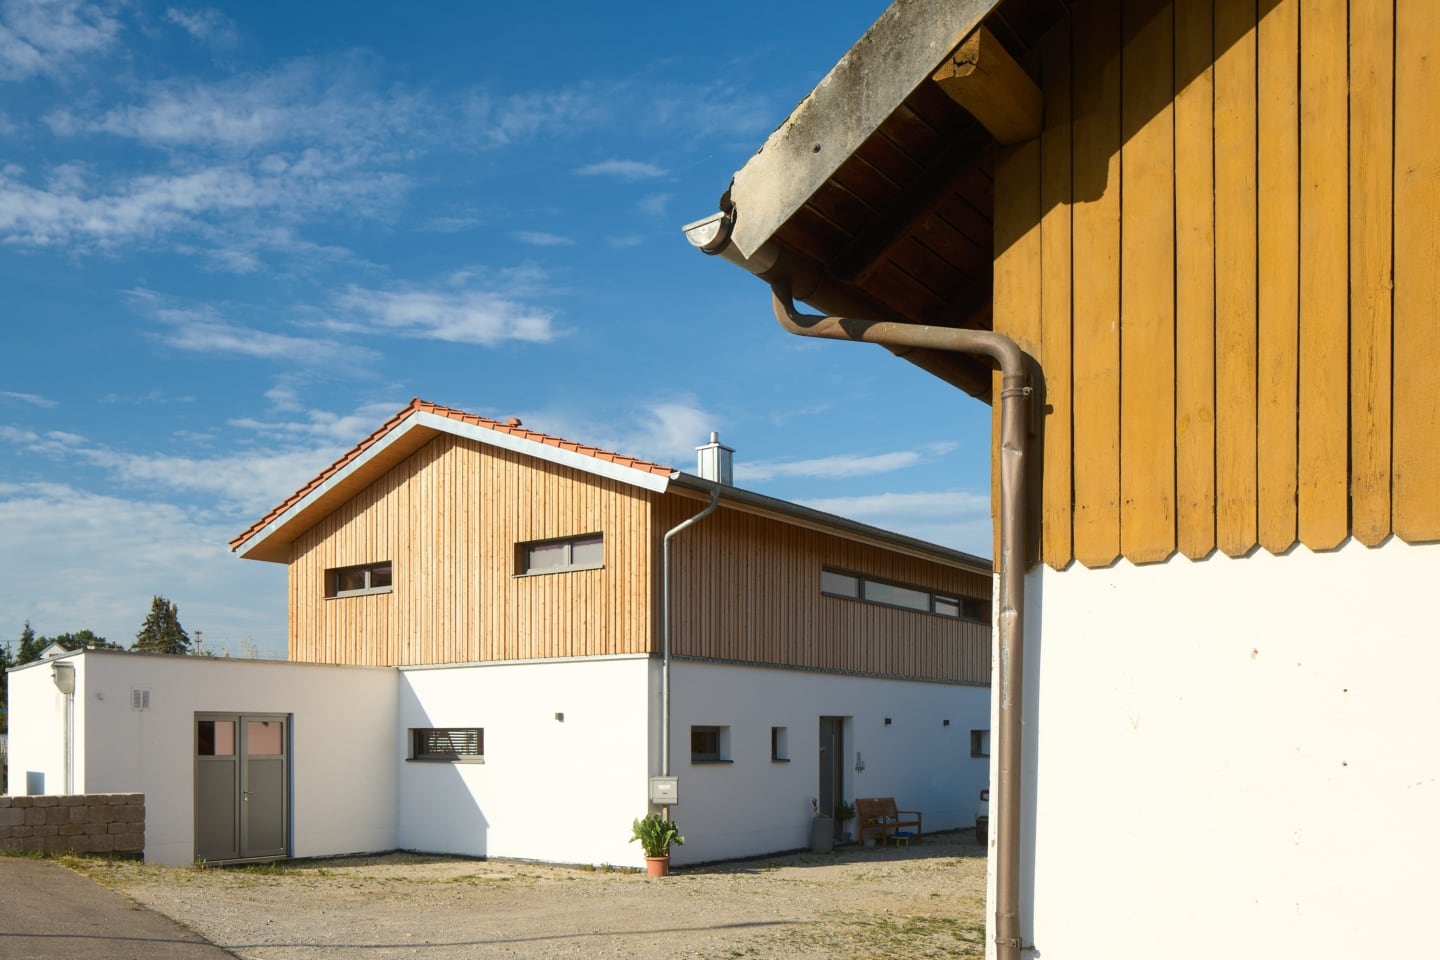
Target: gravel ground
x: 925, y: 901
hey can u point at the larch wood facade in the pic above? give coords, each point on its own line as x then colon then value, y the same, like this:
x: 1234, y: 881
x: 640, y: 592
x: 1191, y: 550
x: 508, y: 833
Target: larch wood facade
x: 451, y: 515
x: 1221, y: 252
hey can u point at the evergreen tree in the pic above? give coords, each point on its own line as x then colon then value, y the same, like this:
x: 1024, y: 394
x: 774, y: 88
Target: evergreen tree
x: 80, y: 639
x: 30, y: 646
x: 5, y: 664
x: 161, y: 632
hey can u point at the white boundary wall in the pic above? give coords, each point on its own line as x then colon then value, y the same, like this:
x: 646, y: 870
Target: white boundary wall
x: 1235, y: 757
x: 557, y: 790
x: 343, y: 778
x: 751, y: 805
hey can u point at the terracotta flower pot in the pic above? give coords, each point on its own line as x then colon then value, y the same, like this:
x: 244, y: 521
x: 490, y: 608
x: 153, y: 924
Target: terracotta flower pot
x: 657, y: 866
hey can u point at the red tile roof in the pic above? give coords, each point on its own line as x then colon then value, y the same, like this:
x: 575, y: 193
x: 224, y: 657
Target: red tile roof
x: 512, y: 426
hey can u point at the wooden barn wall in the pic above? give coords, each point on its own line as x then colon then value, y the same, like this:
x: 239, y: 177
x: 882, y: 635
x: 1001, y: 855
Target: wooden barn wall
x: 747, y: 589
x: 449, y: 518
x: 1222, y: 252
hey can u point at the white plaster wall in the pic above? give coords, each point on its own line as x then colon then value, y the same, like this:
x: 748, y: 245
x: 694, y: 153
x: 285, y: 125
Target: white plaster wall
x: 563, y: 791
x: 753, y: 806
x: 1234, y: 757
x: 343, y: 782
x: 37, y: 728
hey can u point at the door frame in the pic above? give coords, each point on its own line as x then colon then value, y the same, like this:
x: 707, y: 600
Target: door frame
x: 240, y: 761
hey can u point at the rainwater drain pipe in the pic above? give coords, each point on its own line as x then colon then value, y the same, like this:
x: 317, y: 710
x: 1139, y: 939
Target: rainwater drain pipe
x: 665, y: 629
x: 1014, y: 397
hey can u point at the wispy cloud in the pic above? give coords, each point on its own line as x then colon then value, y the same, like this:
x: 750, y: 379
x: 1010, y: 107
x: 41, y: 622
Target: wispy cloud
x: 955, y: 518
x: 47, y: 36
x: 666, y: 431
x: 462, y: 312
x: 655, y: 205
x: 623, y: 169
x: 843, y: 465
x: 538, y: 238
x: 203, y: 329
x: 33, y: 399
x: 203, y: 24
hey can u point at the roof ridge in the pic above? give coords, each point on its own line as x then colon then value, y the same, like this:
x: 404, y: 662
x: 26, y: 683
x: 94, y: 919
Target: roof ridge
x: 512, y: 427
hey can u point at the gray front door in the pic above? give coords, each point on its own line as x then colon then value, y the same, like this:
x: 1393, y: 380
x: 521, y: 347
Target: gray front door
x: 242, y: 795
x: 832, y: 771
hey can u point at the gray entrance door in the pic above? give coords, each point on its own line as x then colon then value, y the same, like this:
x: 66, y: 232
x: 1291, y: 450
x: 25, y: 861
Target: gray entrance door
x: 832, y: 771
x: 242, y: 795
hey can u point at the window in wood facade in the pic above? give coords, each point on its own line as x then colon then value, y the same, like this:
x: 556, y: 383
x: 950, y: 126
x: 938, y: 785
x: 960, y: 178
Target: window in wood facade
x: 709, y: 744
x: 554, y: 556
x: 448, y: 744
x: 850, y: 586
x: 356, y: 581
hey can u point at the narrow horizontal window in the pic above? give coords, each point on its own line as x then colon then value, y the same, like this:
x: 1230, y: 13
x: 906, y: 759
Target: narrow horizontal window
x: 554, y: 556
x: 355, y: 581
x: 835, y: 583
x: 447, y: 743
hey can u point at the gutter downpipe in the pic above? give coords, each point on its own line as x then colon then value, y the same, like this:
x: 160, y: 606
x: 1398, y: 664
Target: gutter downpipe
x: 665, y: 630
x: 1014, y: 396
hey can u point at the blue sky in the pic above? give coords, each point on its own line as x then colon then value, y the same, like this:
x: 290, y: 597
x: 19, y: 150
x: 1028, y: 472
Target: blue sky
x: 234, y: 239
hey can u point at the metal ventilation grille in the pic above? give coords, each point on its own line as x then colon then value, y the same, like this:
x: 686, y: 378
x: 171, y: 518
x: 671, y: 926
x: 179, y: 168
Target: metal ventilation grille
x: 449, y: 743
x: 139, y: 699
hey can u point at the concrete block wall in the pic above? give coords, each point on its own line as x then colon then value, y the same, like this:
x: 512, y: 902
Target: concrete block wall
x: 102, y: 823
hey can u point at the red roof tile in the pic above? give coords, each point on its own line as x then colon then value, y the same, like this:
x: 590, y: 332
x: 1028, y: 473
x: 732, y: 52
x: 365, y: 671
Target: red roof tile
x: 513, y: 428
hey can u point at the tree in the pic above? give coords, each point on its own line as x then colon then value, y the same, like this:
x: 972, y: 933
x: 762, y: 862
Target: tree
x: 79, y: 640
x: 30, y: 646
x: 161, y: 632
x: 5, y: 664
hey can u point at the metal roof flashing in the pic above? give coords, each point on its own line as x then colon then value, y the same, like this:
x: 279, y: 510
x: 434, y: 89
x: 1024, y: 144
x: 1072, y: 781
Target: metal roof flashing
x: 911, y: 39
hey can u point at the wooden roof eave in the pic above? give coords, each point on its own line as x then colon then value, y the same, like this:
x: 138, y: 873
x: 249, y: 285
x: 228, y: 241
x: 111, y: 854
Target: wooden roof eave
x: 911, y: 39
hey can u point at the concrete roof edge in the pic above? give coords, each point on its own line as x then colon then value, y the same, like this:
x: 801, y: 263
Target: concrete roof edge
x: 912, y: 37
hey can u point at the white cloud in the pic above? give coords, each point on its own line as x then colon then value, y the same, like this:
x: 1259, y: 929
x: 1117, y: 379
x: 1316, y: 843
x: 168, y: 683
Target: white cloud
x: 625, y: 242
x: 843, y: 465
x: 655, y: 205
x: 665, y: 432
x: 33, y: 399
x: 203, y: 24
x: 346, y: 430
x: 48, y: 36
x: 955, y: 518
x: 112, y: 554
x: 201, y: 329
x: 623, y: 169
x: 469, y: 314
x: 537, y: 238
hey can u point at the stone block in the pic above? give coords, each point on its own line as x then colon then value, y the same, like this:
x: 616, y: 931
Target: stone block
x: 25, y: 831
x: 46, y: 830
x: 130, y: 814
x: 35, y: 815
x: 4, y: 802
x: 46, y: 801
x: 57, y: 815
x: 72, y: 829
x: 72, y: 800
x: 11, y: 816
x: 78, y: 814
x: 129, y: 842
x: 22, y: 801
x: 102, y: 843
x: 117, y: 827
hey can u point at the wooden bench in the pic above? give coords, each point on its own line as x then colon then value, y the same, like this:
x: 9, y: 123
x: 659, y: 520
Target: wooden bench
x: 878, y: 814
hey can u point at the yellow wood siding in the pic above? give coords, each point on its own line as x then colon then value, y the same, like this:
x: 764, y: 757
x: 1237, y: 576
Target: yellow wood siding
x: 1235, y: 249
x: 747, y: 589
x: 449, y: 518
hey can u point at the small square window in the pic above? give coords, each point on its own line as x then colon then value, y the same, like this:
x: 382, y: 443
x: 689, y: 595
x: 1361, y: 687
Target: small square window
x: 452, y: 744
x: 979, y: 743
x: 780, y: 744
x: 709, y: 744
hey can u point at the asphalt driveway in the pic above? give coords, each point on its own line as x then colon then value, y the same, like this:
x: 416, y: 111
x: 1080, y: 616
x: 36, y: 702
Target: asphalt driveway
x: 50, y: 913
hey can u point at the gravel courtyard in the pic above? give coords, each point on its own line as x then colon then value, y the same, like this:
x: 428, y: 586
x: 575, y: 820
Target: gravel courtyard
x: 925, y: 901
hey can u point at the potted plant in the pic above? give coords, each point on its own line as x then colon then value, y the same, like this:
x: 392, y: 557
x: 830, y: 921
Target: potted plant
x: 656, y: 834
x: 844, y: 813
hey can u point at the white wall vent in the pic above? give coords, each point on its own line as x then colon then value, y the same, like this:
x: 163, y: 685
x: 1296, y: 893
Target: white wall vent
x: 139, y: 699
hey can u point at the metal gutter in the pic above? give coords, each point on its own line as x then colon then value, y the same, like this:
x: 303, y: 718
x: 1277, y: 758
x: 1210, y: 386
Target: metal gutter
x: 1010, y: 565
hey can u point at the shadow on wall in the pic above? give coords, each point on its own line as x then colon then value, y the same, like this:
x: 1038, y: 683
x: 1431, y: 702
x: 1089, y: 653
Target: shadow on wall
x: 438, y: 810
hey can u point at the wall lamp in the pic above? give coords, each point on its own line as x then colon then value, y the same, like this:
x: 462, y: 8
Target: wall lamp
x: 64, y: 676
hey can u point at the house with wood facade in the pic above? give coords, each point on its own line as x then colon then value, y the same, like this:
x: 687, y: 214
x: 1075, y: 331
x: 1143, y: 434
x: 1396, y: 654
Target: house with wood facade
x: 1210, y: 228
x: 537, y: 641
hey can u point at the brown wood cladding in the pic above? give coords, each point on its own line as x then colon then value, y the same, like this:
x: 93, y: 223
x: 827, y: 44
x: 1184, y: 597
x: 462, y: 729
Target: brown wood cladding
x: 1233, y: 261
x: 747, y: 586
x: 449, y: 518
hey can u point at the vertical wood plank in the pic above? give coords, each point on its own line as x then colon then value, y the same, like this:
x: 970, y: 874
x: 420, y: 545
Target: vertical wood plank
x: 1372, y: 72
x: 1017, y: 270
x: 1194, y: 279
x: 1055, y: 303
x: 1235, y: 279
x: 1324, y: 277
x: 1278, y: 316
x: 1147, y: 284
x: 1095, y: 333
